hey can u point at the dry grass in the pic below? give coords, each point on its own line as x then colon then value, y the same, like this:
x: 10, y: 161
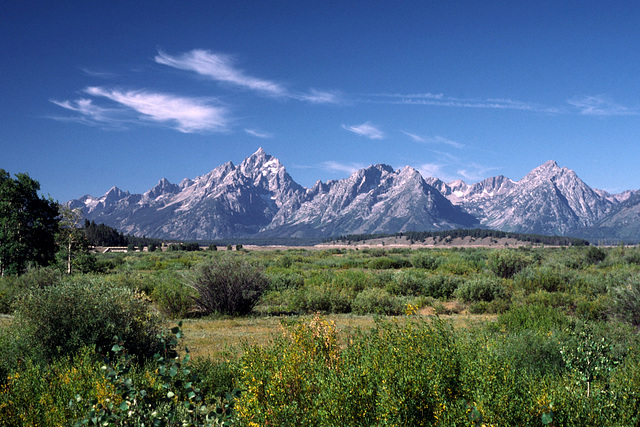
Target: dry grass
x: 224, y: 338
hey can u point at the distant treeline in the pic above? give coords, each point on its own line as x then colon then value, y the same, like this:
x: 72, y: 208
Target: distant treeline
x: 477, y: 233
x: 103, y: 235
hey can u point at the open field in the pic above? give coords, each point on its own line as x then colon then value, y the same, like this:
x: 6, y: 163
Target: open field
x: 225, y: 338
x: 397, y: 336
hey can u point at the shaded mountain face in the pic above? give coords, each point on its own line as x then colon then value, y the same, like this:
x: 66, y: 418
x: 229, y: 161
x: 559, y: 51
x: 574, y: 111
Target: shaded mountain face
x: 259, y: 198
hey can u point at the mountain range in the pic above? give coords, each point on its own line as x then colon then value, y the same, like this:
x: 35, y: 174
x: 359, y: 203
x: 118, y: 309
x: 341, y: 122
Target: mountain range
x: 258, y: 198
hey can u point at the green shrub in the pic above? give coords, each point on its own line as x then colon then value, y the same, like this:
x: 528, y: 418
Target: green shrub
x: 481, y: 289
x: 322, y: 298
x: 441, y: 285
x: 405, y: 374
x: 61, y: 319
x: 387, y: 263
x: 228, y: 286
x: 173, y: 298
x: 34, y: 277
x: 535, y: 317
x: 594, y: 255
x: 376, y: 301
x: 506, y: 263
x: 406, y: 282
x: 285, y: 279
x: 41, y: 394
x: 532, y: 279
x: 626, y: 302
x: 425, y: 260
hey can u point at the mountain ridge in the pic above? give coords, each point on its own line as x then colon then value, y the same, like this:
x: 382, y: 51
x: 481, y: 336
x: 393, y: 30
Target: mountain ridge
x: 259, y: 198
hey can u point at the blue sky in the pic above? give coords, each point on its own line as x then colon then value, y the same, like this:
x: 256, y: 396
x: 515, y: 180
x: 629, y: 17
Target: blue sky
x: 104, y: 93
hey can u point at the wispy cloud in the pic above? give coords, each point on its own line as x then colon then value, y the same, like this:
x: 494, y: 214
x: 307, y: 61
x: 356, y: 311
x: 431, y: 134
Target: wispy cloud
x: 319, y: 97
x: 442, y: 100
x: 87, y: 111
x: 433, y: 140
x: 99, y: 74
x: 186, y: 115
x: 475, y: 172
x: 333, y: 166
x: 258, y: 134
x: 434, y: 170
x: 451, y: 168
x: 220, y: 68
x: 366, y: 129
x: 600, y: 106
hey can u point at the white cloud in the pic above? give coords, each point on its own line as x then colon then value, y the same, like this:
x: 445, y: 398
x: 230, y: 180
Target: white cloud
x: 258, y: 134
x: 319, y: 97
x: 334, y: 166
x: 450, y: 101
x: 222, y: 68
x: 183, y: 114
x: 416, y: 138
x: 87, y: 110
x: 600, y: 106
x: 434, y: 170
x: 433, y: 140
x: 366, y: 129
x: 218, y: 67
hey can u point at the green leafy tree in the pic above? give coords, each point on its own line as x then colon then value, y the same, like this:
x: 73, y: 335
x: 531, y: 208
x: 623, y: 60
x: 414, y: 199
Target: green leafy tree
x: 28, y: 224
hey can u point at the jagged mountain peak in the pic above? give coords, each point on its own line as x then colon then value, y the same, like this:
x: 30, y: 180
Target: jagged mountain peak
x: 259, y: 198
x: 163, y: 187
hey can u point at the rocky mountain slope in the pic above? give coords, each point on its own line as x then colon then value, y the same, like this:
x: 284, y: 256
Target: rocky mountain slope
x: 259, y: 198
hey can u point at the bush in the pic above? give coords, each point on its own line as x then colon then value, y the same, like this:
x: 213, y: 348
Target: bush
x: 506, y: 263
x: 441, y: 285
x: 595, y: 255
x: 228, y: 286
x: 481, y: 289
x: 626, y: 302
x: 546, y: 278
x: 386, y: 263
x: 376, y: 301
x: 534, y: 317
x: 406, y: 283
x: 322, y: 298
x: 425, y: 260
x: 173, y: 298
x: 59, y: 320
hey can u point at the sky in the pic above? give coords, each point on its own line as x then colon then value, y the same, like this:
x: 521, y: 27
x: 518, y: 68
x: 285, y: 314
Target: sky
x: 97, y: 94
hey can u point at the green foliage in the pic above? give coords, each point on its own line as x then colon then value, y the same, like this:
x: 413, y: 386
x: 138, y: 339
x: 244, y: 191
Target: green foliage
x: 441, y: 285
x: 626, y: 302
x: 595, y: 255
x: 228, y: 286
x: 60, y: 319
x: 391, y: 375
x: 591, y: 357
x: 536, y: 317
x: 377, y: 301
x: 506, y: 263
x: 425, y: 260
x: 28, y: 224
x: 40, y: 394
x: 178, y: 400
x: 174, y: 298
x: 481, y: 289
x: 388, y: 263
x: 34, y: 278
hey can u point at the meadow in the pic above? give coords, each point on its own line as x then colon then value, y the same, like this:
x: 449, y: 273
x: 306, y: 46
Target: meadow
x: 335, y: 337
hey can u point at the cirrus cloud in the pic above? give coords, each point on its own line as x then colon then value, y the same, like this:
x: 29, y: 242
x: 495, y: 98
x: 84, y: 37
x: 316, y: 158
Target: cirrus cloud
x: 187, y: 115
x: 365, y: 129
